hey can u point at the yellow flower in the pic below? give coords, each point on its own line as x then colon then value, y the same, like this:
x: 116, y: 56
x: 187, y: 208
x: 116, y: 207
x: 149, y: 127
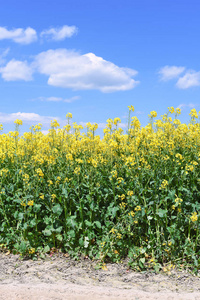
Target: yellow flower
x: 30, y: 203
x: 69, y: 156
x: 122, y: 205
x: 166, y: 157
x: 18, y: 122
x: 164, y: 184
x: 189, y: 168
x: 55, y: 124
x: 69, y: 115
x: 120, y: 179
x: 138, y: 208
x: 77, y: 170
x: 117, y: 120
x: 153, y: 114
x: 94, y: 163
x: 178, y: 200
x: 114, y: 173
x: 131, y: 108
x: 32, y: 250
x: 104, y: 267
x: 178, y: 111
x: 194, y: 217
x: 122, y: 197
x: 135, y: 122
x: 130, y: 193
x: 132, y: 214
x: 171, y: 109
x: 193, y: 113
x: 39, y: 172
x: 179, y: 156
x: 113, y: 231
x: 119, y: 236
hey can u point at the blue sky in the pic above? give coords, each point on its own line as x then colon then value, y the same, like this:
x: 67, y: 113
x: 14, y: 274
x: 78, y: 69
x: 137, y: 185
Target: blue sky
x: 94, y: 58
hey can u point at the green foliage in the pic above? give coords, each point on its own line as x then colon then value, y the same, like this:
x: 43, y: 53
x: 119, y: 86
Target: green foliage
x: 139, y: 199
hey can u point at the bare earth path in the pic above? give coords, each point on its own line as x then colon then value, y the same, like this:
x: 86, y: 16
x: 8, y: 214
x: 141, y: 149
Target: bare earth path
x: 58, y: 277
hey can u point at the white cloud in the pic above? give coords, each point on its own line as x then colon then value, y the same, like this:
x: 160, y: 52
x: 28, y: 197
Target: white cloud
x: 168, y: 73
x: 183, y: 105
x: 58, y: 99
x: 139, y: 112
x: 103, y: 125
x: 45, y: 132
x: 3, y: 55
x: 51, y: 99
x: 69, y: 69
x: 72, y: 99
x: 190, y: 79
x: 28, y: 118
x: 16, y: 70
x: 19, y: 35
x: 59, y: 34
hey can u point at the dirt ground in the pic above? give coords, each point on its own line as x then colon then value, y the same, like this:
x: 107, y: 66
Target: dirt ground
x: 58, y: 277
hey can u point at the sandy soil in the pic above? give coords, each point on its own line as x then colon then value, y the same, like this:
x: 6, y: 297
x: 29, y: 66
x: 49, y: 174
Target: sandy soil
x: 58, y: 277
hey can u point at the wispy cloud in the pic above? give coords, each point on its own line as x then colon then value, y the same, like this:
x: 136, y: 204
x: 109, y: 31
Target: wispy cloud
x: 103, y: 125
x: 19, y: 35
x: 183, y: 105
x: 29, y: 35
x: 170, y: 72
x: 139, y: 112
x: 59, y: 34
x: 16, y: 70
x: 28, y: 118
x: 69, y: 69
x: 190, y: 79
x: 3, y: 55
x: 59, y: 99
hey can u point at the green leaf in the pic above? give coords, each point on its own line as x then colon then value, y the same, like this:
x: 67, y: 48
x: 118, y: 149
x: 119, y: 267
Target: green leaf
x: 32, y: 223
x: 143, y: 212
x: 37, y: 207
x: 46, y: 249
x: 142, y: 260
x: 71, y: 233
x: 47, y: 232
x: 98, y: 224
x: 57, y: 209
x: 47, y: 220
x: 59, y: 237
x: 161, y: 212
x: 112, y: 211
x: 71, y: 221
x: 58, y: 229
x: 88, y: 223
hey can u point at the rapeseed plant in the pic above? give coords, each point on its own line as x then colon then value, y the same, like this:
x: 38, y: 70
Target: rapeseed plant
x: 134, y: 194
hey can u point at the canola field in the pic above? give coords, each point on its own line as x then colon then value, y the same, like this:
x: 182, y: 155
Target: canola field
x: 132, y: 194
